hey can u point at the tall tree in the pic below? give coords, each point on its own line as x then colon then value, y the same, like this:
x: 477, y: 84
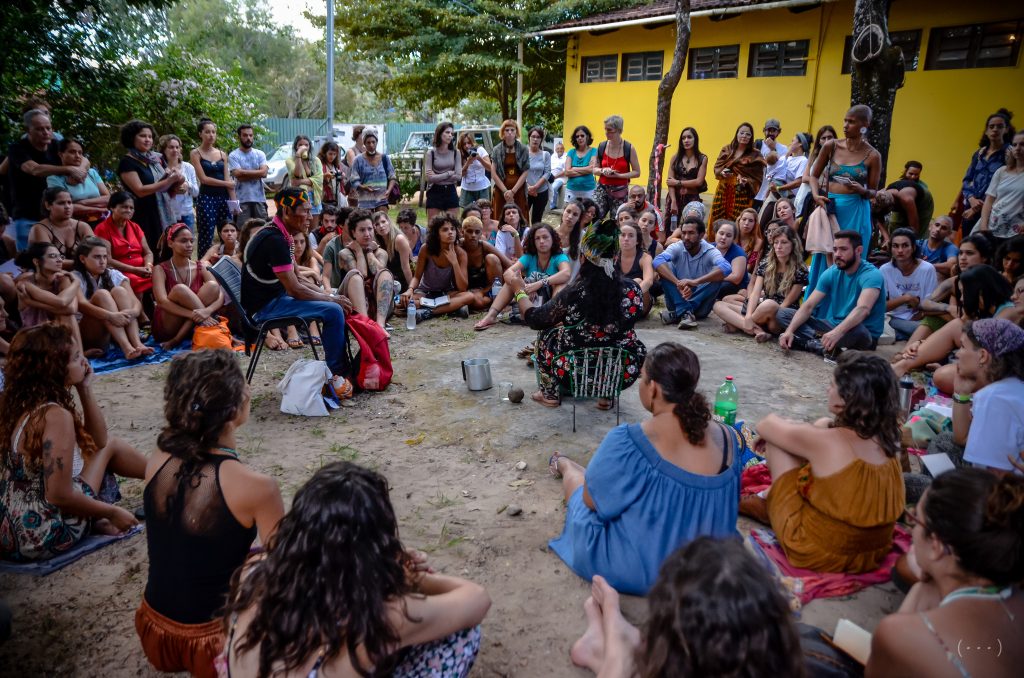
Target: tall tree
x: 76, y: 53
x: 445, y: 51
x: 287, y: 73
x: 877, y: 70
x: 666, y: 89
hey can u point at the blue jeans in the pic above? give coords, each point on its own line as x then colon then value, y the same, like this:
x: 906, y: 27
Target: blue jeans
x: 332, y: 334
x: 21, y: 230
x: 190, y: 221
x: 699, y: 303
x: 858, y: 338
x: 904, y: 328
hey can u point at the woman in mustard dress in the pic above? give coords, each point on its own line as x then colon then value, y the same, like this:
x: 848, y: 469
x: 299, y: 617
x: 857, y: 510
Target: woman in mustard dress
x: 837, y: 485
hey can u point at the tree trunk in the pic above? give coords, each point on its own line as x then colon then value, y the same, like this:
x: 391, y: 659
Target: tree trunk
x: 666, y: 89
x: 877, y: 71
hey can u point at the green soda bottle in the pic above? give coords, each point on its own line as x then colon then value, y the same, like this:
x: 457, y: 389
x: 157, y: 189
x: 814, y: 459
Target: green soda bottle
x: 726, y: 402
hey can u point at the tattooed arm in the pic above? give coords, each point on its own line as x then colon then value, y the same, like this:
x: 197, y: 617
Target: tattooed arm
x: 58, y: 454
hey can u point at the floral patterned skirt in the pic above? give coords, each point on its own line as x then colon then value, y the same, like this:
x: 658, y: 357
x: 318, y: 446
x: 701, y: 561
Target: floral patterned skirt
x: 450, y: 657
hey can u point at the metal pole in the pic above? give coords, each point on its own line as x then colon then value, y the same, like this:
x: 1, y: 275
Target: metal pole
x: 330, y: 69
x: 519, y: 88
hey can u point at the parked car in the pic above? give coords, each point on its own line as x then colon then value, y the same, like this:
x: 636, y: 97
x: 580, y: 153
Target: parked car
x: 410, y: 158
x: 276, y: 169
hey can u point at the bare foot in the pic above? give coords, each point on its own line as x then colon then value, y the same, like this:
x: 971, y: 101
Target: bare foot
x: 132, y: 353
x: 620, y: 637
x: 588, y: 651
x: 146, y: 350
x: 762, y: 337
x: 484, y: 323
x: 169, y: 344
x: 104, y: 526
x: 728, y: 329
x: 275, y: 343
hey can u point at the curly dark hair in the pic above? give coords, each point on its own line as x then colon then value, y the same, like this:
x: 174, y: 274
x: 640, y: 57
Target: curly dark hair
x: 434, y: 232
x: 331, y: 570
x: 1007, y: 117
x: 131, y: 129
x: 203, y: 393
x: 676, y: 369
x: 35, y: 374
x: 715, y: 611
x: 870, y: 394
x: 353, y: 219
x: 980, y: 516
x: 530, y: 246
x: 980, y: 291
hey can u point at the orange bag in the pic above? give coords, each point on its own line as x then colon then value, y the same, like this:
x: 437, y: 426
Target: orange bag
x: 218, y: 336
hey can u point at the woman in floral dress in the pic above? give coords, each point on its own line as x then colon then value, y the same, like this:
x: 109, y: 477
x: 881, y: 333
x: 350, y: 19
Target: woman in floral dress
x: 596, y: 310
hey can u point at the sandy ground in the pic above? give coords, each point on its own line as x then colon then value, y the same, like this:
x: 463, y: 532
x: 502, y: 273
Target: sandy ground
x: 450, y: 456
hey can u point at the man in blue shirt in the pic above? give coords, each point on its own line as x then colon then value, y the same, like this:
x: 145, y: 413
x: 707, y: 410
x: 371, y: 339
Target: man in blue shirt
x: 691, y: 273
x: 846, y: 309
x: 936, y: 249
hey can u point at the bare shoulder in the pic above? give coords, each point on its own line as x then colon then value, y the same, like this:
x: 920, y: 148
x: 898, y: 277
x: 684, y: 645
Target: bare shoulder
x: 245, y: 483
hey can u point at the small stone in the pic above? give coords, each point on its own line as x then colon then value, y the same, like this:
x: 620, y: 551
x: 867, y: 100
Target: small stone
x: 516, y: 395
x: 521, y: 466
x: 514, y: 510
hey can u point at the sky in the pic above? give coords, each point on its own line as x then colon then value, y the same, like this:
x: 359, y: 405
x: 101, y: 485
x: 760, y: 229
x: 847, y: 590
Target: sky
x: 289, y: 13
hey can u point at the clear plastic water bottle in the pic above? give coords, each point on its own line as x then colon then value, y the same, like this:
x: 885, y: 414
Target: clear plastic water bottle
x: 410, y: 315
x: 495, y: 288
x: 726, y: 402
x: 397, y: 287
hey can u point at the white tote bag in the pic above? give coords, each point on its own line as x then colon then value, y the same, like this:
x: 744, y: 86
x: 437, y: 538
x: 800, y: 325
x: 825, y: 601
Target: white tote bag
x: 302, y: 388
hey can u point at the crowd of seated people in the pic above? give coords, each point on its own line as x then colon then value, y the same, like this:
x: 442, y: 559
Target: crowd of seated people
x: 94, y: 277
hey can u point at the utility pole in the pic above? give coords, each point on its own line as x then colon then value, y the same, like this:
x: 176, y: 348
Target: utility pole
x: 330, y: 69
x: 519, y: 88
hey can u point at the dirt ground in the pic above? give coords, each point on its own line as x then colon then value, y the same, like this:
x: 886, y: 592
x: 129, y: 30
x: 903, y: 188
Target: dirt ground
x: 450, y: 456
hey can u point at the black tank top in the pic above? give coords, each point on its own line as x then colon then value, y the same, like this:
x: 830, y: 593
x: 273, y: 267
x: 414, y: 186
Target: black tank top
x: 636, y: 271
x: 194, y: 542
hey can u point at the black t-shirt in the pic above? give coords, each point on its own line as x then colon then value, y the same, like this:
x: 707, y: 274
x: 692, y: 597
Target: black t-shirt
x: 267, y: 251
x: 147, y: 212
x: 27, y: 190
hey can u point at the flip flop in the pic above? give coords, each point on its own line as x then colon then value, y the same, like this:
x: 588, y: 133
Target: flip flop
x: 553, y: 465
x: 539, y: 397
x: 482, y: 324
x: 295, y: 343
x: 316, y: 341
x: 604, y: 404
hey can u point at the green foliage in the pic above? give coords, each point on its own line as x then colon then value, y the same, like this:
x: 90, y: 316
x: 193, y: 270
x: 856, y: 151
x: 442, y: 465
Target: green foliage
x: 174, y: 91
x: 77, y: 54
x: 445, y: 52
x: 285, y: 72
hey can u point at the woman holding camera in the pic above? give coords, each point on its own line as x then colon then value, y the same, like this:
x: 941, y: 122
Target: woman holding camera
x: 476, y: 167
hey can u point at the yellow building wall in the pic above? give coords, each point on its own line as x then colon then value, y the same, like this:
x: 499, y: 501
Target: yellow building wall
x: 938, y: 119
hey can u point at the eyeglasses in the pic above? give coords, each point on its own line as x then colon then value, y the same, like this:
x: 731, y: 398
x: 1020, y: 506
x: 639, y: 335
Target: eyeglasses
x: 580, y: 136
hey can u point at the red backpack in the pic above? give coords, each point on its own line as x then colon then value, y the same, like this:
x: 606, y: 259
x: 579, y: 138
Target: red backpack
x: 369, y: 354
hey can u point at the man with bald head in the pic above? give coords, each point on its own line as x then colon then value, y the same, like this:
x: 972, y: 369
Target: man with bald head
x: 936, y: 249
x: 31, y: 159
